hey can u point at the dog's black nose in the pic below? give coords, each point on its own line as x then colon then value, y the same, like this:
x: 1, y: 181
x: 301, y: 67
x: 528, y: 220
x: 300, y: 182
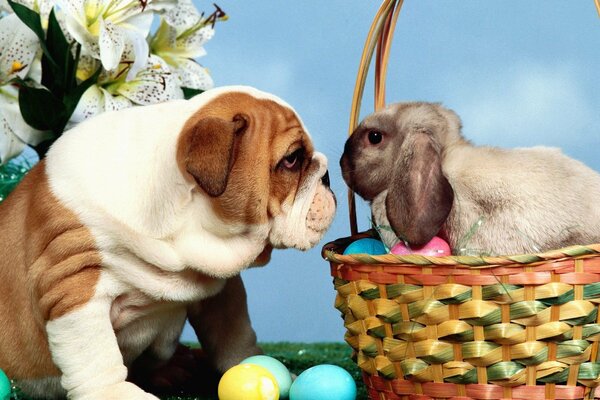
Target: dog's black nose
x: 325, y: 179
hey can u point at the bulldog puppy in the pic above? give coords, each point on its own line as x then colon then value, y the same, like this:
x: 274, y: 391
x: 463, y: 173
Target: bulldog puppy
x: 140, y: 218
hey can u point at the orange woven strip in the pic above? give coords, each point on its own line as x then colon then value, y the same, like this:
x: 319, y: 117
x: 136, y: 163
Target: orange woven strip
x: 484, y: 391
x: 530, y: 278
x: 538, y: 392
x: 592, y: 265
x: 427, y: 280
x: 476, y: 280
x: 579, y: 278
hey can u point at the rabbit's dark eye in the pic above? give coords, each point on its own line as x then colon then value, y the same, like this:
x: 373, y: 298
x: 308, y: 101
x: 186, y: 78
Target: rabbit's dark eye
x: 375, y: 137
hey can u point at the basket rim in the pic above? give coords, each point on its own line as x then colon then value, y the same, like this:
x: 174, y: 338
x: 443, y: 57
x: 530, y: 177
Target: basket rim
x: 331, y: 252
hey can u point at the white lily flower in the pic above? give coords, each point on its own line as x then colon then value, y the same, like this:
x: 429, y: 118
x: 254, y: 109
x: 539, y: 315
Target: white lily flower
x: 105, y: 28
x: 153, y: 84
x: 18, y: 47
x: 180, y: 39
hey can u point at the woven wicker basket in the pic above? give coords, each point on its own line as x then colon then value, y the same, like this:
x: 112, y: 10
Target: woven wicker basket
x: 464, y: 327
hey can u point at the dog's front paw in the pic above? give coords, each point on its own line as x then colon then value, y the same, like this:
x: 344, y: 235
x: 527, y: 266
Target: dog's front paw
x: 119, y: 391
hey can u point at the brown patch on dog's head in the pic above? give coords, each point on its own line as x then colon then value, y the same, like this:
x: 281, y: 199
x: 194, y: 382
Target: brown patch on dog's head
x: 249, y: 154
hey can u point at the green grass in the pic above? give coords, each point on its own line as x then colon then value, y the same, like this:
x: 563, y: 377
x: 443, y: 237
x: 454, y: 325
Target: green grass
x: 299, y: 357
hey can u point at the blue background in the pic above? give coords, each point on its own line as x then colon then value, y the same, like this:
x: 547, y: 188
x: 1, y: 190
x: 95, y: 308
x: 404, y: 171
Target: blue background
x: 519, y: 73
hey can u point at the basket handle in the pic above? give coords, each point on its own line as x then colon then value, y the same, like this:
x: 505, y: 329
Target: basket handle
x: 380, y: 38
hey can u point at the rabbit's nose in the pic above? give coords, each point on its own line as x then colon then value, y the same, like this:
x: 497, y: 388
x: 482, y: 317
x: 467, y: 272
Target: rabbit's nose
x: 325, y: 178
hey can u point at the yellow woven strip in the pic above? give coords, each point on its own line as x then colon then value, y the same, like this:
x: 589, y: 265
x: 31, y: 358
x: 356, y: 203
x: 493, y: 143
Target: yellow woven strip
x: 552, y: 347
x: 478, y: 332
x: 530, y: 331
x: 506, y: 353
x: 577, y: 330
x: 597, y: 2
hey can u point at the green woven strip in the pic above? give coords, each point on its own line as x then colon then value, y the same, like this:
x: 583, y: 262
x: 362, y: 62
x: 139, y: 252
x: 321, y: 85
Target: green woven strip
x: 524, y: 309
x: 571, y: 348
x: 494, y: 317
x: 561, y: 299
x: 491, y: 292
x: 591, y: 291
x: 503, y: 370
x: 461, y: 298
x: 466, y: 378
x: 589, y: 370
x: 466, y: 336
x: 588, y: 319
x: 536, y: 359
x: 591, y: 332
x: 406, y: 330
x: 412, y: 367
x: 502, y: 333
x: 404, y: 293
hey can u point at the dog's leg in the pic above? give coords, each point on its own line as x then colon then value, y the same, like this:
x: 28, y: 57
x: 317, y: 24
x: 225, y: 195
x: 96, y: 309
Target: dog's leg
x: 84, y: 347
x: 223, y: 326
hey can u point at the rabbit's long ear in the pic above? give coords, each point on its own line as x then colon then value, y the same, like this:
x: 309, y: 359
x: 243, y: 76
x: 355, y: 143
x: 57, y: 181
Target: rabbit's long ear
x: 419, y: 197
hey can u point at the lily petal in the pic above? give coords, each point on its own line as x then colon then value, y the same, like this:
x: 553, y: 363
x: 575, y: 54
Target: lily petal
x: 183, y: 16
x: 140, y: 50
x: 90, y: 104
x: 18, y: 46
x: 112, y: 43
x: 193, y: 75
x: 115, y: 103
x: 10, y: 145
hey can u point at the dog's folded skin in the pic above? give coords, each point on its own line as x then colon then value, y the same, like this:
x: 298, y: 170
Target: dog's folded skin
x: 140, y: 218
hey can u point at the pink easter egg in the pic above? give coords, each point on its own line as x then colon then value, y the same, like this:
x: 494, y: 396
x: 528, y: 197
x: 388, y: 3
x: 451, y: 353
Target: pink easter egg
x: 437, y: 247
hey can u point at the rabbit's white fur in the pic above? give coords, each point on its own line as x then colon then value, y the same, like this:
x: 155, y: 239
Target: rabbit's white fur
x: 514, y: 200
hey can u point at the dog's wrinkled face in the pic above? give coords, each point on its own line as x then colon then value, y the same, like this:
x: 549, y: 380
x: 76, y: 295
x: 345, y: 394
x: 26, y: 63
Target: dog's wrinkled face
x: 254, y: 159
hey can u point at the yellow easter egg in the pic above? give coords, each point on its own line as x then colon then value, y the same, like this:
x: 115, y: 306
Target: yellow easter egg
x: 248, y: 382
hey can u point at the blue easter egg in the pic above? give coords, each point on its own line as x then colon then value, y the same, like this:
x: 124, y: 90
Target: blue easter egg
x: 366, y: 246
x: 324, y: 382
x: 5, y: 386
x: 280, y: 372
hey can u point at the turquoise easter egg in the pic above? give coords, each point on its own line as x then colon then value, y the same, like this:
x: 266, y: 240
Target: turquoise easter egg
x: 366, y: 246
x: 324, y: 382
x: 280, y: 372
x: 5, y: 386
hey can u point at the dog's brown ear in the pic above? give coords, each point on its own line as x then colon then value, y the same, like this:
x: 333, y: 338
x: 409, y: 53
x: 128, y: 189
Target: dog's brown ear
x: 207, y: 151
x: 419, y: 197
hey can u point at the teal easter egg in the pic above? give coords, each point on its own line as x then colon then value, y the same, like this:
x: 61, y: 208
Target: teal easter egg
x: 280, y: 372
x: 5, y: 386
x: 324, y: 382
x: 366, y: 246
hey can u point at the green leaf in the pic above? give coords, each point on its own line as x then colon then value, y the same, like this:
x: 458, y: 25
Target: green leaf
x: 188, y: 93
x: 58, y: 77
x: 41, y: 109
x: 33, y: 22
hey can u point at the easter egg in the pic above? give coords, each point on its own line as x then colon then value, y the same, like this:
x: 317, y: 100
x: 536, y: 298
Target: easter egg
x: 280, y: 372
x: 366, y: 246
x: 436, y: 247
x: 324, y: 382
x: 248, y: 382
x: 5, y: 386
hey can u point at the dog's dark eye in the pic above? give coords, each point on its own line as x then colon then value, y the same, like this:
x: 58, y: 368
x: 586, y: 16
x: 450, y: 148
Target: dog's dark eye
x: 293, y: 160
x: 375, y: 137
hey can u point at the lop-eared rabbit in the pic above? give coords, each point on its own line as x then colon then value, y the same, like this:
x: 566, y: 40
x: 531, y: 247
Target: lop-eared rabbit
x: 422, y: 179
